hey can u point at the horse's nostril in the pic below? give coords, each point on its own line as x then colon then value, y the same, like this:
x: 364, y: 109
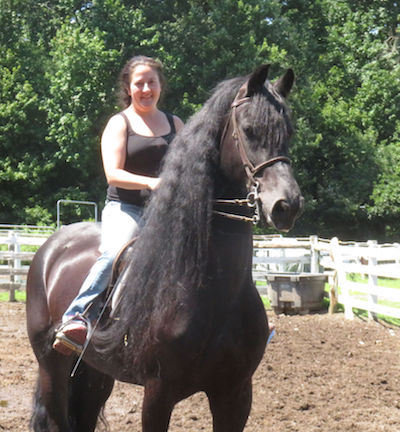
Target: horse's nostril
x: 281, y: 207
x: 282, y: 215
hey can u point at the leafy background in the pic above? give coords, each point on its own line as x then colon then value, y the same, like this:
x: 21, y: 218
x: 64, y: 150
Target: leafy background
x: 60, y: 59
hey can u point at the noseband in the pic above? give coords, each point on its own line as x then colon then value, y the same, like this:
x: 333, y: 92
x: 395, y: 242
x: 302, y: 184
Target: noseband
x: 252, y: 199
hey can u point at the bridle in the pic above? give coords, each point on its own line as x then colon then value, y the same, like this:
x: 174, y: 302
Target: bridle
x: 252, y: 199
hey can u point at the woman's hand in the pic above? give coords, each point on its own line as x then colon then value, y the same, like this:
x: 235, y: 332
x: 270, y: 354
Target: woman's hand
x: 154, y: 182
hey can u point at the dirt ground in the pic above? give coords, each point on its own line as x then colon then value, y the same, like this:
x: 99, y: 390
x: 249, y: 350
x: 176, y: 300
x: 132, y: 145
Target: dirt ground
x: 320, y: 373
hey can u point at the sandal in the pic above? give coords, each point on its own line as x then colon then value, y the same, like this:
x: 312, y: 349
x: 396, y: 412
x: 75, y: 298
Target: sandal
x: 71, y: 336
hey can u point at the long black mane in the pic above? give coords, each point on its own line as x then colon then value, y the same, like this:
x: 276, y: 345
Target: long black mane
x: 185, y: 315
x: 171, y: 251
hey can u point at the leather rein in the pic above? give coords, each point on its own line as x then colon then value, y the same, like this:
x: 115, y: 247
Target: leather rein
x: 252, y: 199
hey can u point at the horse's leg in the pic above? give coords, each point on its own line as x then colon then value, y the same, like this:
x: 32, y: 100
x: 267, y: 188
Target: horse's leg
x: 64, y: 404
x: 230, y: 406
x: 50, y: 412
x: 157, y: 407
x: 90, y: 390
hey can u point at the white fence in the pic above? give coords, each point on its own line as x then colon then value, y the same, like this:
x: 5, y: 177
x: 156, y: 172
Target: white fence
x: 357, y: 271
x: 340, y: 261
x: 14, y: 261
x: 282, y: 254
x: 374, y: 263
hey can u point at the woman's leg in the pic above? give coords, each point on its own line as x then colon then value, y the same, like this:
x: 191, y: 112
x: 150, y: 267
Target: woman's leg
x: 120, y: 222
x: 95, y: 283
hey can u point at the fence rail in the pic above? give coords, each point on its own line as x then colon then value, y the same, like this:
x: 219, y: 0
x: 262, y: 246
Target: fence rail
x: 368, y: 262
x: 14, y: 262
x: 373, y: 262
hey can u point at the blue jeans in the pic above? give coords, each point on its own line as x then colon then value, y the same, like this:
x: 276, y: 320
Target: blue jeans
x: 120, y: 222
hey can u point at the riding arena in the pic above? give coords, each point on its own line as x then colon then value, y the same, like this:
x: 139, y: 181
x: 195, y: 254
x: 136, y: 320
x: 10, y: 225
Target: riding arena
x: 183, y: 347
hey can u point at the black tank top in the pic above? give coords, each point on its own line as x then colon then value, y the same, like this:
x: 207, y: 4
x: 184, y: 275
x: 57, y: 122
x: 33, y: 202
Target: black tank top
x: 144, y: 156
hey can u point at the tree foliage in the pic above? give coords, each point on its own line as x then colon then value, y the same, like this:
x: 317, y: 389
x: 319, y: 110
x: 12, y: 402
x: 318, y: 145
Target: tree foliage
x: 59, y: 63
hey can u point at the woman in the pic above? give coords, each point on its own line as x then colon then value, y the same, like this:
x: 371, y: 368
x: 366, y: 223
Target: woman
x: 133, y: 145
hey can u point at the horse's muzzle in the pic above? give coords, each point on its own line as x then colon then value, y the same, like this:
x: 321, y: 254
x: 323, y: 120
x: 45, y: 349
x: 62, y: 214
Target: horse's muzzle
x: 280, y: 196
x: 284, y: 212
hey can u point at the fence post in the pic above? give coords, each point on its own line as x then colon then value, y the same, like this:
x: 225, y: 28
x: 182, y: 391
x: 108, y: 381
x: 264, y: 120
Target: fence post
x: 17, y: 260
x: 281, y: 265
x: 11, y: 264
x: 341, y: 278
x: 314, y: 267
x: 372, y: 279
x: 333, y: 292
x: 397, y: 260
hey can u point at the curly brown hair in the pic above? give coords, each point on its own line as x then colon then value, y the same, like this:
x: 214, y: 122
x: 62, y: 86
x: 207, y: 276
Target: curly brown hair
x: 126, y: 74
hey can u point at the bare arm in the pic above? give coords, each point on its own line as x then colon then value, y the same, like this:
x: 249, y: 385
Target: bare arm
x: 113, y: 150
x: 178, y: 123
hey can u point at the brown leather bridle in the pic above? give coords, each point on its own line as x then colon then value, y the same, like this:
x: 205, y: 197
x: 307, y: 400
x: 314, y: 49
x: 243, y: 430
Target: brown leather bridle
x: 252, y: 199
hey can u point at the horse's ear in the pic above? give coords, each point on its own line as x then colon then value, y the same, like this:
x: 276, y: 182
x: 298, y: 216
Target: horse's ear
x: 285, y: 83
x: 257, y: 80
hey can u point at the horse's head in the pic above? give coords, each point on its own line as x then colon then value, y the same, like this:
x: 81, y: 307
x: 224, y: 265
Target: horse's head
x: 255, y: 144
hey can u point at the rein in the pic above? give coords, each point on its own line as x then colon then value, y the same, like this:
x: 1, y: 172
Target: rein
x: 252, y: 199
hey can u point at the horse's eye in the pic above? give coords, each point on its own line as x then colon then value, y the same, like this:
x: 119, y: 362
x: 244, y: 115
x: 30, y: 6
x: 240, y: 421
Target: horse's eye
x: 249, y: 132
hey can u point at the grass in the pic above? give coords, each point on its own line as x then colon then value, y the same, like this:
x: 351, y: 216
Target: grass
x: 390, y: 283
x: 20, y: 296
x: 266, y: 302
x: 383, y: 282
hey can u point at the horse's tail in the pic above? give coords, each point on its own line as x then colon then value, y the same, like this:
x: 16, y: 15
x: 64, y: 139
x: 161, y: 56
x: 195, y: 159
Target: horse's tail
x: 39, y: 419
x: 85, y: 395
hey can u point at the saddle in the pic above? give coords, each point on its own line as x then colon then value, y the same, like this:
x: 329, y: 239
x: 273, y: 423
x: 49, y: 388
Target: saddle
x: 118, y: 267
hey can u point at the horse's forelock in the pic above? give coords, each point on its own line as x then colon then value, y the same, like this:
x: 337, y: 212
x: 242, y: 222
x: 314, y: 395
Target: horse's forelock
x: 269, y: 116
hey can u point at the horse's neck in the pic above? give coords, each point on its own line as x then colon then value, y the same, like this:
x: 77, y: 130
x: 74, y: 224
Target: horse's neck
x: 230, y: 256
x: 225, y: 188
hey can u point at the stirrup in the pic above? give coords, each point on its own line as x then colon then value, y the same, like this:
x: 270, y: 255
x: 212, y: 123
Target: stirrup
x: 67, y: 343
x: 63, y: 341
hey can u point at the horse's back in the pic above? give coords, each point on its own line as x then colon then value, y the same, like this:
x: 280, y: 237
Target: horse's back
x: 57, y: 272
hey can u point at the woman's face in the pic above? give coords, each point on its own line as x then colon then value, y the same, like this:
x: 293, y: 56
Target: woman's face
x: 144, y: 89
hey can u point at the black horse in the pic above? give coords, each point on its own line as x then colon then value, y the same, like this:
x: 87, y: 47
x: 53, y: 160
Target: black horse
x: 188, y: 317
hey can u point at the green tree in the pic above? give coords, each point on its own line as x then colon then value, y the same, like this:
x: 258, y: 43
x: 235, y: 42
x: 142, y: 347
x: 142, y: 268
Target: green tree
x: 22, y: 119
x: 59, y: 63
x: 80, y: 82
x: 202, y: 43
x: 338, y: 139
